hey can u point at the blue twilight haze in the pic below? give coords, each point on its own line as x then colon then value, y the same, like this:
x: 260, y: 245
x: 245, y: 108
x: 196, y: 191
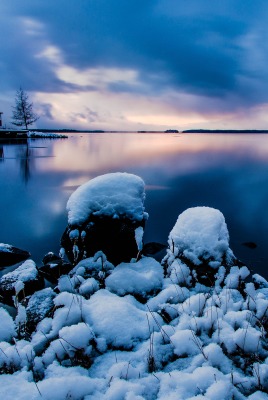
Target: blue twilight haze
x: 137, y: 64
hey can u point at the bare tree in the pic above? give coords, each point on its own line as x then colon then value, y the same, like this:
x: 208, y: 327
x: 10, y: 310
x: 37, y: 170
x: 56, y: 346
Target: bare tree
x: 22, y: 113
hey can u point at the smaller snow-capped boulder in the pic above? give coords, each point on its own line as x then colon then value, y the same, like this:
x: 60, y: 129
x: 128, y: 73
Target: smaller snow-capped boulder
x: 21, y: 282
x: 200, y: 239
x: 10, y: 255
x: 106, y: 214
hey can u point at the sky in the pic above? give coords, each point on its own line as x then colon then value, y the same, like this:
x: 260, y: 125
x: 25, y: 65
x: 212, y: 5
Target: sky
x: 137, y: 65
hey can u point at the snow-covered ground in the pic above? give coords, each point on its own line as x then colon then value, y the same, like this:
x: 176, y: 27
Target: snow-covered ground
x: 191, y: 327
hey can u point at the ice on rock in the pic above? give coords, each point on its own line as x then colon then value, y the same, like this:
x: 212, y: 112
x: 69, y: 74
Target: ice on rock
x: 116, y: 194
x: 200, y: 233
x: 139, y: 237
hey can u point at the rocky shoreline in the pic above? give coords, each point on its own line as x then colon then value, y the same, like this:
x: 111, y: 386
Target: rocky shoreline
x: 118, y: 324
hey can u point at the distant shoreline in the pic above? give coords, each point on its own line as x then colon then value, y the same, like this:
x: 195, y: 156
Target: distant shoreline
x: 150, y: 131
x: 225, y: 131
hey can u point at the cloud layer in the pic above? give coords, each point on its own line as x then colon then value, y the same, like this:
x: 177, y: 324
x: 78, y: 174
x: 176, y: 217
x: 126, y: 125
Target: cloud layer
x: 205, y: 61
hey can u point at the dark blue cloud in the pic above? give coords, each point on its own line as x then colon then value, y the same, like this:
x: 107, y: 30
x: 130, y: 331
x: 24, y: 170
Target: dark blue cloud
x: 197, y: 47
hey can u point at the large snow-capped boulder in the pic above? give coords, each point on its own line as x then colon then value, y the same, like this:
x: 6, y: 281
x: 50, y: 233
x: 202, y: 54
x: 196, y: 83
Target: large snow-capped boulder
x: 199, y: 240
x: 10, y: 255
x: 21, y: 282
x: 106, y: 213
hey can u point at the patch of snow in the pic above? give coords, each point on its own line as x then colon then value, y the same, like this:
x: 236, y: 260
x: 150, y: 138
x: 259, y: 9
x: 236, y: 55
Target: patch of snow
x: 5, y: 248
x: 25, y: 272
x: 49, y: 135
x: 7, y: 326
x: 117, y: 320
x: 142, y: 277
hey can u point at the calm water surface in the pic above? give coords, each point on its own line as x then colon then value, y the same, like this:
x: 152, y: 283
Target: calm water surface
x: 225, y: 171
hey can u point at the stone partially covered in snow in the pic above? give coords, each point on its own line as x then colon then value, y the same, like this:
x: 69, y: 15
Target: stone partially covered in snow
x: 39, y: 306
x: 106, y: 213
x: 54, y: 267
x: 25, y: 277
x: 193, y: 339
x: 199, y: 234
x: 10, y: 255
x: 200, y: 239
x: 139, y: 279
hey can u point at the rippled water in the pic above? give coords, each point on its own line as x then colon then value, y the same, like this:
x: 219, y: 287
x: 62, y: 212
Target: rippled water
x: 225, y: 171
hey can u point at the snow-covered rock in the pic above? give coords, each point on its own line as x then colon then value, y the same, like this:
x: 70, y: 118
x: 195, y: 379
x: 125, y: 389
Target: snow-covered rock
x: 114, y: 195
x: 10, y: 255
x: 54, y: 266
x: 39, y: 307
x: 200, y: 233
x: 21, y: 282
x: 199, y: 240
x: 107, y: 213
x: 133, y: 333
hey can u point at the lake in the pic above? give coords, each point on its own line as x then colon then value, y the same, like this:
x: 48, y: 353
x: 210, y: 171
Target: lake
x: 224, y: 171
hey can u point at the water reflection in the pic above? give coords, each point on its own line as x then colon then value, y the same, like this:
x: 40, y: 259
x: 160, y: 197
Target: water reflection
x: 228, y: 172
x: 26, y: 161
x: 2, y: 154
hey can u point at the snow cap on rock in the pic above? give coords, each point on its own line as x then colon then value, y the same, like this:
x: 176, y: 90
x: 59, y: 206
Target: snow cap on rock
x: 115, y: 195
x: 200, y: 233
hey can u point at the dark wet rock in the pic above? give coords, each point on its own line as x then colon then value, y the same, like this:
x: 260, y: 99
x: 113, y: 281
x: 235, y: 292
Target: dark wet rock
x: 51, y: 257
x: 40, y: 306
x: 155, y: 250
x: 10, y: 255
x: 152, y: 248
x: 114, y: 237
x: 54, y: 269
x: 250, y: 245
x: 22, y: 282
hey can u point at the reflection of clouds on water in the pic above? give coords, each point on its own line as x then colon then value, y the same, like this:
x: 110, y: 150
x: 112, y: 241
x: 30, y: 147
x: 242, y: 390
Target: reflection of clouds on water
x: 225, y: 172
x: 156, y: 187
